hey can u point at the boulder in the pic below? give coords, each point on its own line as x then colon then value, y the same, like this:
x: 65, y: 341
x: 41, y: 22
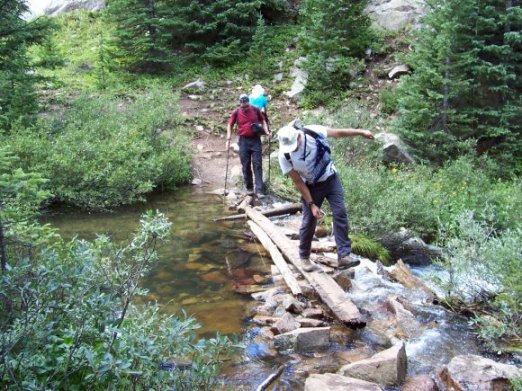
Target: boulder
x: 420, y: 383
x: 393, y: 149
x: 300, y: 81
x: 305, y: 339
x: 398, y: 71
x: 55, y: 7
x: 411, y: 249
x: 285, y: 324
x: 333, y: 382
x: 392, y: 15
x: 475, y: 373
x: 195, y: 85
x: 388, y: 367
x: 293, y: 305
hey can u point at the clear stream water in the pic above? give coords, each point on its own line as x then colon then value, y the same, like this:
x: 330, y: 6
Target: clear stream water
x: 202, y: 263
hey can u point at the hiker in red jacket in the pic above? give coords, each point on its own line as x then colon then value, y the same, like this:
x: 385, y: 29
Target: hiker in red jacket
x: 251, y: 125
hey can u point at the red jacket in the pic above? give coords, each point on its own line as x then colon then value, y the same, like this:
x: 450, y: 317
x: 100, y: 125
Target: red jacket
x: 244, y: 119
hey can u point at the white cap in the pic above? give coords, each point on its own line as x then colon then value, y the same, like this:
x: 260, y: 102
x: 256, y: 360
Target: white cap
x: 287, y: 136
x: 257, y: 91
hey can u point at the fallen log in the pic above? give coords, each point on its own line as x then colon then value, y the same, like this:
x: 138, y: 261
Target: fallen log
x: 247, y: 201
x: 270, y: 379
x: 283, y: 210
x: 320, y: 247
x: 278, y: 259
x: 326, y: 287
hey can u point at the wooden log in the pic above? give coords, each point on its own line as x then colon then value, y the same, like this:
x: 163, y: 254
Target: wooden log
x: 283, y: 210
x: 277, y: 258
x: 270, y: 379
x: 320, y: 247
x: 247, y: 201
x: 325, y: 286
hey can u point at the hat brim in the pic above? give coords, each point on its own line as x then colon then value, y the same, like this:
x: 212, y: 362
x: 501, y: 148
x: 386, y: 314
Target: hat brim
x: 288, y: 148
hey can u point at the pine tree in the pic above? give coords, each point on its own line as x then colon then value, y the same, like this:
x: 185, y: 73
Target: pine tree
x: 259, y: 50
x: 218, y: 31
x: 335, y: 33
x: 17, y: 92
x: 465, y: 85
x: 140, y: 35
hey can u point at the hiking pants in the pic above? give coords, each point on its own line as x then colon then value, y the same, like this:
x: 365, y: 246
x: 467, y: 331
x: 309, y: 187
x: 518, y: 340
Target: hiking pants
x: 250, y: 154
x: 332, y: 190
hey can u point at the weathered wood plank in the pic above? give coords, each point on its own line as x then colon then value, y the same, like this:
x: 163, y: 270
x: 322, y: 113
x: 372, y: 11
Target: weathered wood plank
x: 326, y: 287
x: 283, y: 210
x: 278, y: 259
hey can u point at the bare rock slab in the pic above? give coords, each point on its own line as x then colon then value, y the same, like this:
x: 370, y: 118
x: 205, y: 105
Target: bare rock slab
x: 333, y: 382
x: 475, y: 373
x: 305, y: 339
x: 420, y: 383
x: 387, y: 368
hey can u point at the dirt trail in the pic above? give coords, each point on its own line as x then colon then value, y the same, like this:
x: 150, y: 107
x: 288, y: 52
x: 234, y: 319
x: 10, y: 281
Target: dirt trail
x: 207, y: 113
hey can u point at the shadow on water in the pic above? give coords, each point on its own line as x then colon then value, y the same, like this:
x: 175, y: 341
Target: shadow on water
x: 197, y: 267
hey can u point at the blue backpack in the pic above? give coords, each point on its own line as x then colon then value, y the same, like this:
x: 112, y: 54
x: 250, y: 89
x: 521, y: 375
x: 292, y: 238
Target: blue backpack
x: 322, y: 158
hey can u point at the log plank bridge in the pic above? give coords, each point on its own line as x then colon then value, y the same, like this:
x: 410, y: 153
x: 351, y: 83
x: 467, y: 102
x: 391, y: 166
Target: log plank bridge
x: 280, y: 247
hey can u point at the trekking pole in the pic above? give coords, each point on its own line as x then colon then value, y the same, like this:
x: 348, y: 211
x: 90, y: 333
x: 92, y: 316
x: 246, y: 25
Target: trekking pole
x: 226, y: 174
x: 269, y: 140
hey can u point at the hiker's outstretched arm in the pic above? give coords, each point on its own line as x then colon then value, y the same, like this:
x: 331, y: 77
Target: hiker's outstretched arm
x: 349, y: 132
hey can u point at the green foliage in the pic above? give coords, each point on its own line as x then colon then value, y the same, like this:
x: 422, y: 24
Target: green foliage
x: 18, y: 102
x: 107, y: 151
x: 517, y: 384
x: 483, y: 263
x: 259, y: 57
x: 68, y: 321
x: 333, y: 44
x: 370, y: 248
x: 389, y: 100
x: 465, y: 86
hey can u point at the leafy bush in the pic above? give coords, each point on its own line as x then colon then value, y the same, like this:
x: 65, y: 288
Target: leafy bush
x: 68, y: 322
x: 483, y: 266
x: 105, y: 151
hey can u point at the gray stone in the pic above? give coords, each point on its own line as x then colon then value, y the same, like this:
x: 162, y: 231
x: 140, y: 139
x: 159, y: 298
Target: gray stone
x: 387, y: 368
x: 278, y: 77
x: 475, y: 373
x: 56, y: 7
x: 393, y: 15
x: 333, y: 382
x: 195, y: 85
x: 292, y: 305
x: 285, y: 324
x: 393, y: 150
x: 197, y: 182
x: 398, y: 71
x: 420, y: 383
x: 305, y: 339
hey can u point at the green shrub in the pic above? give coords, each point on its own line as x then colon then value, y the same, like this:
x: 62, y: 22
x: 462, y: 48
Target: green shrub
x: 106, y: 151
x: 483, y: 266
x: 68, y: 322
x: 389, y: 100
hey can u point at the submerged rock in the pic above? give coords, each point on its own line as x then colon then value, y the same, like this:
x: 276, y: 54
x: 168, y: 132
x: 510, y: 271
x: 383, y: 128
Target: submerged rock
x: 333, y: 382
x: 305, y: 339
x: 388, y: 367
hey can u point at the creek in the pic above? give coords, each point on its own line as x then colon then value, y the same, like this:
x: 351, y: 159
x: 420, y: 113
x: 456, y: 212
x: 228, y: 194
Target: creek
x: 203, y: 263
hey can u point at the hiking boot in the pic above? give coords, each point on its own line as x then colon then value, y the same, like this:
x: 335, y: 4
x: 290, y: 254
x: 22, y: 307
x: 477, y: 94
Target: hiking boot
x: 348, y: 261
x: 308, y: 266
x: 260, y: 195
x: 250, y: 191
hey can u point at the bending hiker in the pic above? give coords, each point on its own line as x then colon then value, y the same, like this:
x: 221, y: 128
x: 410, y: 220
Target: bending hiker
x: 304, y: 155
x: 251, y: 125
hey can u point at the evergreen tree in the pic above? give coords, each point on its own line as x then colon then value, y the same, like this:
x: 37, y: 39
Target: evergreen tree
x: 17, y: 92
x: 139, y: 33
x: 259, y: 51
x: 219, y: 31
x: 334, y: 34
x: 465, y: 85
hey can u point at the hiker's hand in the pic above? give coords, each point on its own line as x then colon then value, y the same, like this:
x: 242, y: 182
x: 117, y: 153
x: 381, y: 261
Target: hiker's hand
x: 367, y: 134
x: 269, y: 135
x: 317, y: 212
x: 227, y: 145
